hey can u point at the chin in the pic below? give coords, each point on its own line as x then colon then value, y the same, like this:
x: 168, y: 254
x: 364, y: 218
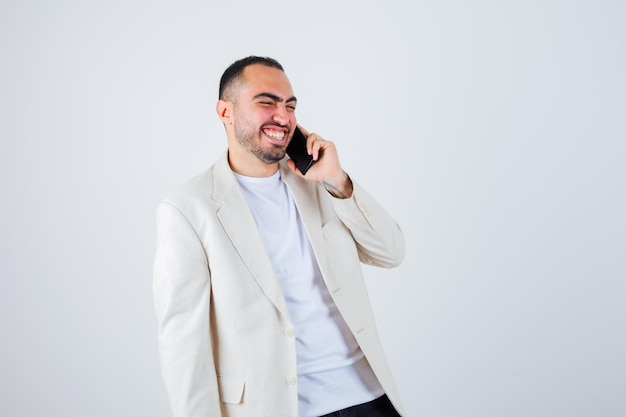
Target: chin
x: 271, y: 157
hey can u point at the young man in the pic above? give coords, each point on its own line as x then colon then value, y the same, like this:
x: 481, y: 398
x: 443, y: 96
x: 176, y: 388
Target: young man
x: 260, y: 299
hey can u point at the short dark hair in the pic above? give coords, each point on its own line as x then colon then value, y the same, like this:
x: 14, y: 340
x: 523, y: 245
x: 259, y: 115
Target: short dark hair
x: 236, y: 68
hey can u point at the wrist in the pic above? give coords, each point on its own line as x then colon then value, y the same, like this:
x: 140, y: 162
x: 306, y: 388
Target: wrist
x: 340, y: 186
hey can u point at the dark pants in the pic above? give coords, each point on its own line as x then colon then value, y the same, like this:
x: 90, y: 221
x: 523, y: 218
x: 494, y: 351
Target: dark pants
x: 380, y: 407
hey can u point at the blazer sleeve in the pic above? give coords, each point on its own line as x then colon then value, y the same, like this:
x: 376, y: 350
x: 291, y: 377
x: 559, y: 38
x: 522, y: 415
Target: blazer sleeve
x: 181, y: 289
x: 379, y: 239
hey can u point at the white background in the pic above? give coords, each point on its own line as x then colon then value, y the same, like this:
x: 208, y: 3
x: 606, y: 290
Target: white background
x: 493, y: 131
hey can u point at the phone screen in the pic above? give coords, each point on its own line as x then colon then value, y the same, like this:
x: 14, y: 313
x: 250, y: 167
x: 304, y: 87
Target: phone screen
x: 297, y: 152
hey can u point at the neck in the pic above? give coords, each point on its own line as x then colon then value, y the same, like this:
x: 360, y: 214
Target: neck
x: 244, y: 163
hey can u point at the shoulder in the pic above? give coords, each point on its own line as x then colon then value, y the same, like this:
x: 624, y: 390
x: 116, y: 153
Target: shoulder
x: 195, y: 198
x: 201, y: 188
x: 196, y: 189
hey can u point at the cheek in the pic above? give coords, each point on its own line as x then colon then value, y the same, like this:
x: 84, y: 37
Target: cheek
x: 264, y: 116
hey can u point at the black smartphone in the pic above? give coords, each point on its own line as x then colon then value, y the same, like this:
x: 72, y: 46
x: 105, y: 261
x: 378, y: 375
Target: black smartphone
x: 297, y: 151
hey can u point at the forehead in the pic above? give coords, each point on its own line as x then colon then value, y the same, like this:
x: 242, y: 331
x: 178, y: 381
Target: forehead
x: 262, y: 79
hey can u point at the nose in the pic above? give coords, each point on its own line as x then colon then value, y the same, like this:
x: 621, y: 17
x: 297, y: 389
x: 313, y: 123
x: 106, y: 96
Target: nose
x: 281, y: 115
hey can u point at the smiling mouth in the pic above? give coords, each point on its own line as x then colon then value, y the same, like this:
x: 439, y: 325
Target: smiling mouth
x: 275, y: 134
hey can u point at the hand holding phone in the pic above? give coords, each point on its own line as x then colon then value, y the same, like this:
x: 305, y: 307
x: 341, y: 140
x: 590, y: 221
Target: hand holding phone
x: 329, y: 172
x: 298, y: 153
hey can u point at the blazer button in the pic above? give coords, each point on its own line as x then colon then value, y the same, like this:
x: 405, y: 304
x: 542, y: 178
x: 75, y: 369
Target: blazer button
x: 290, y: 332
x: 291, y: 380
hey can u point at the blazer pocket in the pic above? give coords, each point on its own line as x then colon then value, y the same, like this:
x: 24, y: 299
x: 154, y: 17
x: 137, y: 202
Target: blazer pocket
x: 230, y: 389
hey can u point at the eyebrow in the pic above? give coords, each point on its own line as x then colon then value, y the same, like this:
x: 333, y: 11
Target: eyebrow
x: 275, y: 97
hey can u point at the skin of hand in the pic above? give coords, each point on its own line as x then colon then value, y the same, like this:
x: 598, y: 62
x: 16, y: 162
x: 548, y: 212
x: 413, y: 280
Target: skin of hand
x: 327, y: 169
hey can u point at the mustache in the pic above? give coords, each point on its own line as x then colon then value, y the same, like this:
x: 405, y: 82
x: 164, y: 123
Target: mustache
x: 274, y: 124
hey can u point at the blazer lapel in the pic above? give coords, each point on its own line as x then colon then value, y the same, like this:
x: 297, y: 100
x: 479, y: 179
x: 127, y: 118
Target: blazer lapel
x: 306, y: 197
x: 239, y: 225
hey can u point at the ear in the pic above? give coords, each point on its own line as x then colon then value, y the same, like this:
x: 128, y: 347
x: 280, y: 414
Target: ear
x: 225, y: 111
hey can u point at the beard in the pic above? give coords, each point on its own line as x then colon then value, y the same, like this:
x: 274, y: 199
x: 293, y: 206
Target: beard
x: 249, y: 137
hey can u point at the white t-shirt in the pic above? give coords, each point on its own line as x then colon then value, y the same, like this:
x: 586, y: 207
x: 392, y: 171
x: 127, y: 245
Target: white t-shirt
x: 332, y: 371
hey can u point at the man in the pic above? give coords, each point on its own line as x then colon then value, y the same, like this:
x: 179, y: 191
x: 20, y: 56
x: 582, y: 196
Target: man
x: 260, y: 300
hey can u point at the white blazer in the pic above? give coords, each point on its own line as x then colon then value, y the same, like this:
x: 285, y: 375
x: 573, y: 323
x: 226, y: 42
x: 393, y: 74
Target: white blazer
x: 226, y: 341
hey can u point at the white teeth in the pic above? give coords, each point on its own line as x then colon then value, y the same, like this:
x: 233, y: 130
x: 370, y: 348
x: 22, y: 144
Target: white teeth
x: 275, y: 135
